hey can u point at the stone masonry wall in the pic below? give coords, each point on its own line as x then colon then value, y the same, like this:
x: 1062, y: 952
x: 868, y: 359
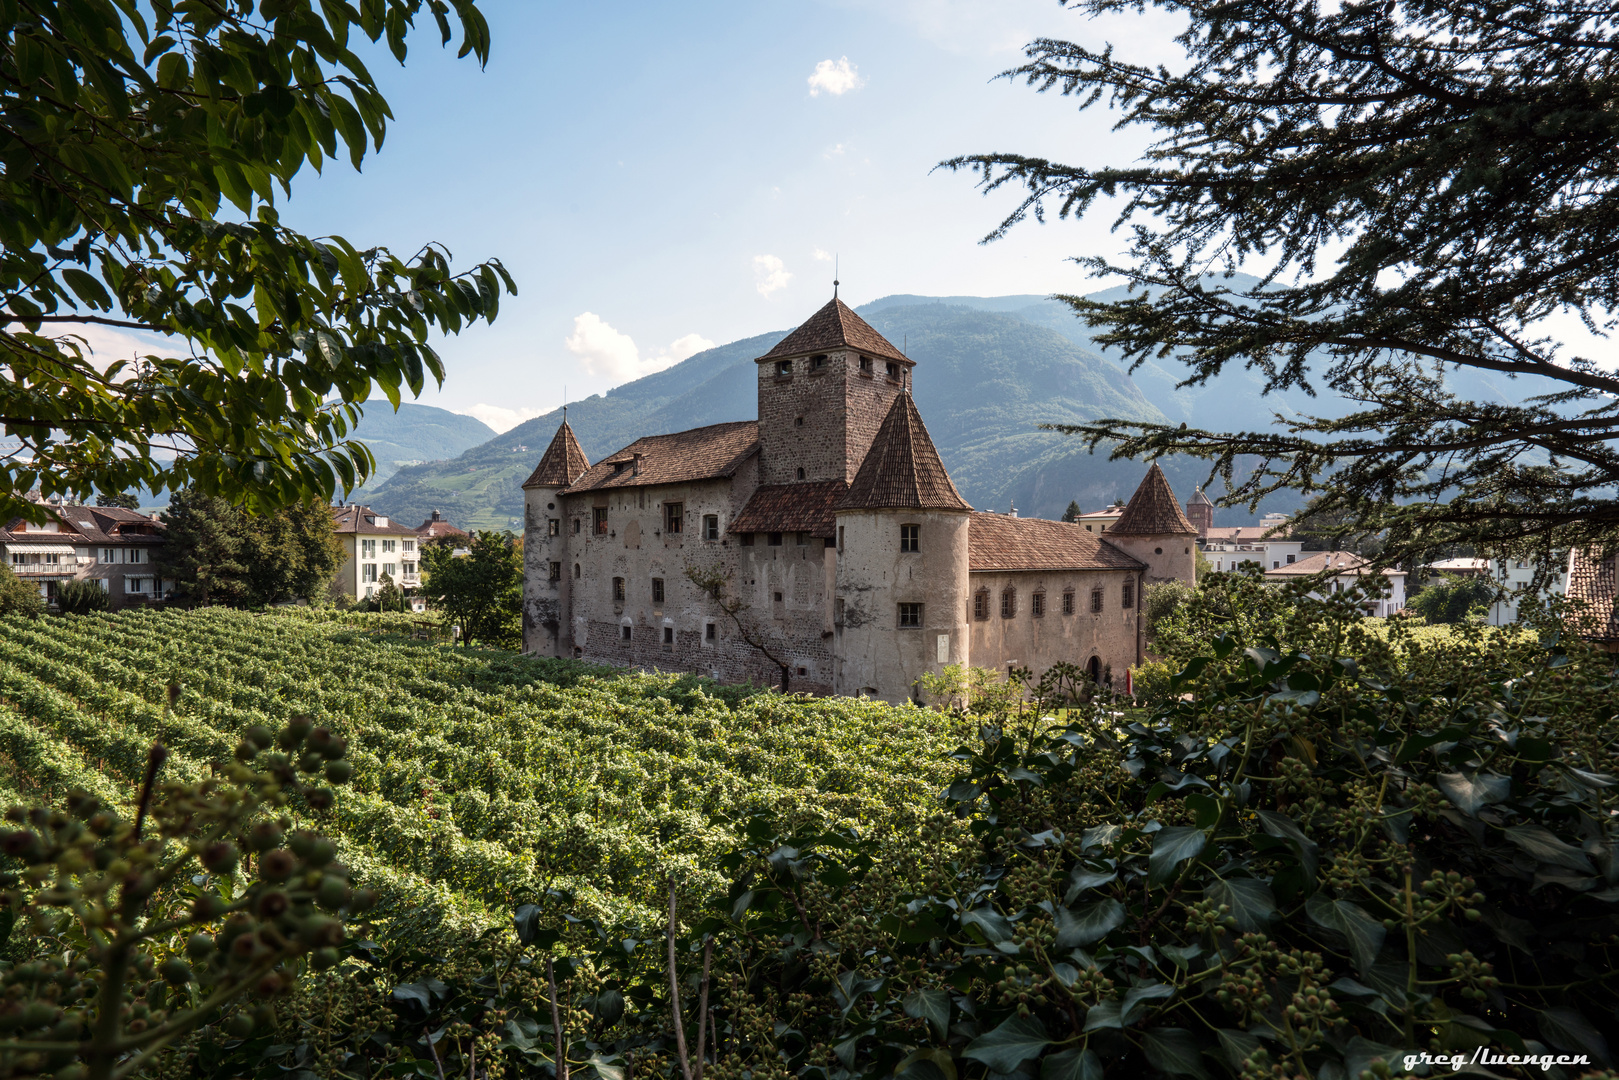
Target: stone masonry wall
x: 820, y: 420
x: 1039, y: 641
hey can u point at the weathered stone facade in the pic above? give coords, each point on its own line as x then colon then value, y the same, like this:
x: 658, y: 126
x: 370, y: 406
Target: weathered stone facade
x: 821, y: 548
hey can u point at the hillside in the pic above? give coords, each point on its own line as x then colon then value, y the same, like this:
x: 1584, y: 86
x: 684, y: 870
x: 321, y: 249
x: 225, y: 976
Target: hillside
x: 415, y: 434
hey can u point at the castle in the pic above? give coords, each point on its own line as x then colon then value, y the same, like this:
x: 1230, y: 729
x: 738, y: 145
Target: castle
x: 823, y: 547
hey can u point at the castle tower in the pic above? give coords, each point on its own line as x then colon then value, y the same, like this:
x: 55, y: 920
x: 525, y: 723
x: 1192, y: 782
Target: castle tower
x: 1200, y: 512
x: 546, y: 577
x: 1154, y: 530
x: 823, y: 392
x: 900, y: 608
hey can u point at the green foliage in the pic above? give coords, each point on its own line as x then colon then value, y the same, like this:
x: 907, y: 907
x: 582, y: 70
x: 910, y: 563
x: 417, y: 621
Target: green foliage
x: 127, y: 130
x: 389, y: 596
x: 1453, y: 599
x: 482, y: 591
x: 19, y: 597
x: 1163, y: 599
x: 1151, y: 680
x: 1387, y: 172
x: 1073, y: 512
x: 218, y: 553
x: 140, y: 930
x: 80, y: 597
x: 121, y: 499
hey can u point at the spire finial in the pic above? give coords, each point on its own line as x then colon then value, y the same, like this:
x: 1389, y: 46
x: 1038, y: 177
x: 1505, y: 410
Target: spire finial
x: 835, y: 276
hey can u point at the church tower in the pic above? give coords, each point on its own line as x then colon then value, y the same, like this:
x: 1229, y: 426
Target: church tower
x: 546, y: 577
x: 823, y: 393
x: 902, y: 594
x: 1154, y: 530
x: 1200, y: 512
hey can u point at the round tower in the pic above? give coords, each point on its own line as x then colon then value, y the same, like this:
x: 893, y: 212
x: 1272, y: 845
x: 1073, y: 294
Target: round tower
x: 1155, y: 530
x: 546, y: 585
x: 901, y: 601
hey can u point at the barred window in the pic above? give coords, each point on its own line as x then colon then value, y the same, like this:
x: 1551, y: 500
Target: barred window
x: 553, y: 526
x: 1037, y: 605
x: 674, y: 517
x: 556, y: 571
x: 599, y: 515
x: 981, y: 604
x: 1129, y: 594
x: 657, y: 590
x: 711, y: 526
x: 1096, y: 601
x: 1068, y: 601
x: 775, y: 539
x: 1008, y: 603
x: 910, y: 616
x: 618, y: 590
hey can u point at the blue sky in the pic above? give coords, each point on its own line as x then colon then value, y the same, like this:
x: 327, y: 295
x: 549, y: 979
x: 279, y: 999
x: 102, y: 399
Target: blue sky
x: 662, y: 176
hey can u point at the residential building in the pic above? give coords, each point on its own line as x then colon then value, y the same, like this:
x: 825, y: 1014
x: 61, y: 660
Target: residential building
x: 1343, y: 570
x: 824, y: 547
x: 436, y: 530
x: 108, y: 546
x: 1099, y: 521
x: 374, y: 547
x: 1516, y: 578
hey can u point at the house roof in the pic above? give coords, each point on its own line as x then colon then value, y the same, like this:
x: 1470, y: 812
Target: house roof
x: 1153, y: 510
x: 436, y: 528
x: 791, y: 508
x: 562, y: 463
x: 705, y: 453
x: 1339, y: 562
x: 835, y: 326
x: 1241, y: 534
x: 1001, y: 542
x: 1595, y: 581
x: 902, y: 469
x: 87, y: 525
x: 1462, y: 566
x: 356, y: 520
x: 1200, y: 499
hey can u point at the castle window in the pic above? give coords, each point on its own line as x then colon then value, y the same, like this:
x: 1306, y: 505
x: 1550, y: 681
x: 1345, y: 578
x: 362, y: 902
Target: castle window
x: 599, y: 517
x: 775, y: 539
x: 624, y: 632
x: 556, y: 571
x: 657, y: 590
x: 747, y: 539
x: 840, y: 537
x: 801, y: 538
x: 1037, y: 605
x: 1129, y: 595
x: 576, y: 526
x: 668, y: 638
x: 865, y: 365
x: 910, y: 616
x: 576, y: 571
x: 1068, y: 601
x: 801, y: 474
x: 784, y: 367
x: 1096, y: 601
x: 818, y: 362
x: 981, y: 604
x: 1157, y: 551
x: 893, y: 370
x: 1008, y: 603
x: 618, y: 590
x: 776, y: 597
x: 910, y: 538
x: 837, y: 612
x: 798, y: 422
x: 709, y: 631
x: 553, y: 527
x: 674, y: 517
x: 711, y: 526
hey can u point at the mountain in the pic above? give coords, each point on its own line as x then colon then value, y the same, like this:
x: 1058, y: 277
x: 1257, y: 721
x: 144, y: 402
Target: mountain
x: 416, y: 433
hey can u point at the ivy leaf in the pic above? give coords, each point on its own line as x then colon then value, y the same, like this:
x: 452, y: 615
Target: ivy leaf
x: 1174, y: 1051
x: 1073, y: 1064
x: 994, y: 926
x: 929, y: 1063
x: 1082, y: 878
x: 1251, y: 901
x: 1364, y: 933
x: 1285, y: 828
x: 1104, y: 1014
x: 1471, y: 792
x: 1545, y: 845
x: 1133, y: 1007
x: 1362, y: 1052
x: 932, y: 1005
x: 1569, y: 1030
x: 1010, y: 1045
x: 1089, y: 924
x: 1237, y: 1047
x: 1172, y: 846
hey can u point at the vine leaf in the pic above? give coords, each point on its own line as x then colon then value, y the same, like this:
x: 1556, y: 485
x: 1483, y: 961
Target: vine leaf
x: 1010, y: 1045
x: 1089, y: 924
x: 1172, y: 846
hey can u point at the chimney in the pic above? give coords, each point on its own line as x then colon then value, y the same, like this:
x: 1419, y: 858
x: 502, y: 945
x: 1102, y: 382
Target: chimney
x: 1011, y: 510
x: 437, y: 516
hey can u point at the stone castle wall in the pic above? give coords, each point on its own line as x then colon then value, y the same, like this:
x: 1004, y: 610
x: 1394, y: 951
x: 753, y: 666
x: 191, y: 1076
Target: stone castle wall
x: 821, y: 420
x: 1037, y: 641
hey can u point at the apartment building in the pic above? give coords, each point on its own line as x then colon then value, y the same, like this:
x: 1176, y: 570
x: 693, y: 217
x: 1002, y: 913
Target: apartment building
x: 108, y: 546
x: 376, y: 547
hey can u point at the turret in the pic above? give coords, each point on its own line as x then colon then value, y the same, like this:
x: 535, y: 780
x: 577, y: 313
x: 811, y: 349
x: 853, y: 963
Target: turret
x: 900, y: 609
x: 546, y: 585
x: 1155, y: 530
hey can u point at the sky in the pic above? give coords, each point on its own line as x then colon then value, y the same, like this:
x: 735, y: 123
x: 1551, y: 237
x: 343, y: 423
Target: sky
x: 660, y: 178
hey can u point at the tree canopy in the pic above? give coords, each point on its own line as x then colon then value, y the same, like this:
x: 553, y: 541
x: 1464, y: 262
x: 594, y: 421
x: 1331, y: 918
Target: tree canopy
x: 216, y: 553
x: 1418, y: 187
x: 143, y: 145
x: 481, y: 591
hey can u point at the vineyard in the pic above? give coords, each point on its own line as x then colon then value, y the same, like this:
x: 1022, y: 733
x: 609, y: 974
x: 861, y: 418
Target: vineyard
x: 479, y: 778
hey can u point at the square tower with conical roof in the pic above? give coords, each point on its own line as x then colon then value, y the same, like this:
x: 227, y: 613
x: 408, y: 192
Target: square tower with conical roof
x: 823, y: 393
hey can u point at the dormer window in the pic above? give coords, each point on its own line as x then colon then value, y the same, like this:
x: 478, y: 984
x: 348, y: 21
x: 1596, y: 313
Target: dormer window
x: 619, y: 467
x: 784, y: 367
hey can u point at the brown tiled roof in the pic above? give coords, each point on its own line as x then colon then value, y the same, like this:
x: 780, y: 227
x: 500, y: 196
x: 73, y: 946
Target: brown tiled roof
x: 791, y: 508
x: 704, y: 453
x: 1594, y: 581
x: 835, y: 326
x: 999, y: 542
x: 1341, y: 562
x: 354, y: 519
x: 1152, y: 510
x: 562, y: 463
x: 436, y: 528
x: 902, y: 469
x: 88, y: 525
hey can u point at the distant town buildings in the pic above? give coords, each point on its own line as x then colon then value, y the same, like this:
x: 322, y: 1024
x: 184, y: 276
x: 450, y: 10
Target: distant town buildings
x: 375, y: 546
x: 108, y: 546
x: 1343, y: 570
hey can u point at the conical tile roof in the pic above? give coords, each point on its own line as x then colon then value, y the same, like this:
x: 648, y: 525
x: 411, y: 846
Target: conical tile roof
x: 1152, y: 510
x: 835, y: 326
x: 902, y: 469
x: 562, y: 463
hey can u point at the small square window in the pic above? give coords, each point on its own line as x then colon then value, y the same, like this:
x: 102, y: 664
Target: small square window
x: 784, y: 367
x: 893, y: 370
x: 776, y: 597
x: 747, y: 539
x: 553, y: 527
x: 599, y: 515
x: 1096, y: 600
x: 668, y: 635
x: 674, y: 517
x: 1037, y: 605
x: 817, y: 363
x: 910, y: 616
x: 775, y: 539
x: 910, y: 538
x: 865, y: 365
x: 1129, y: 595
x: 1290, y: 560
x: 801, y: 539
x: 618, y: 590
x: 657, y: 590
x: 711, y: 526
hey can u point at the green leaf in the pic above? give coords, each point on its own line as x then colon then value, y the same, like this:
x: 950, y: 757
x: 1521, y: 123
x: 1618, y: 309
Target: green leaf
x: 1172, y: 846
x: 930, y: 1063
x: 1174, y: 1051
x: 1471, y: 792
x: 1082, y: 878
x: 1072, y: 1064
x: 1133, y: 1006
x: 1089, y: 924
x: 1251, y: 901
x: 1238, y: 1047
x: 932, y: 1005
x: 1362, y: 1052
x: 87, y: 288
x: 1104, y: 1014
x: 1285, y: 828
x: 994, y: 926
x: 1010, y: 1045
x: 1545, y: 845
x: 1364, y: 933
x: 1568, y: 1029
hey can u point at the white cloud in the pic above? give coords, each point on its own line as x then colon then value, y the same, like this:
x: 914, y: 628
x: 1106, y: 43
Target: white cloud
x: 836, y: 151
x: 769, y: 274
x: 500, y: 418
x: 605, y: 351
x: 836, y: 77
x: 821, y: 255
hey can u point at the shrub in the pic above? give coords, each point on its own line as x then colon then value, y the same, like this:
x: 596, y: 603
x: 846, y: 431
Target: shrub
x: 18, y: 597
x: 80, y: 597
x: 1454, y: 599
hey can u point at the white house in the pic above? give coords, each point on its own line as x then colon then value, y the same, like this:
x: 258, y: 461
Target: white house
x: 1346, y: 569
x: 1516, y: 578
